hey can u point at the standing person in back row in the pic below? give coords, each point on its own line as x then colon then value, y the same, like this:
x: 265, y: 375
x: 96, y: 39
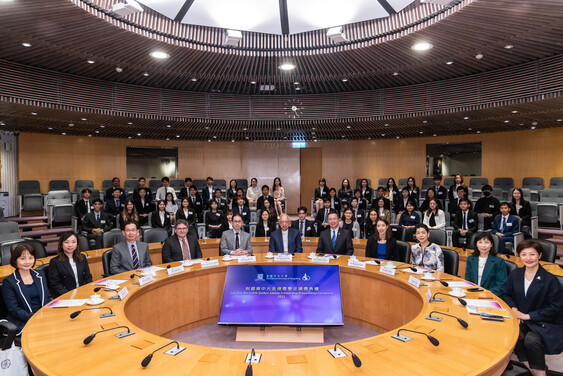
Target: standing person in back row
x: 488, y: 206
x: 335, y: 239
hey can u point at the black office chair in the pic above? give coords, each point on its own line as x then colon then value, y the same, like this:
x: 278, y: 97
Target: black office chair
x: 398, y: 232
x: 560, y: 279
x: 471, y: 241
x: 438, y: 237
x: 83, y: 243
x: 155, y: 235
x: 8, y: 333
x: 549, y: 253
x: 404, y: 251
x: 451, y: 261
x: 37, y: 245
x: 510, y: 266
x: 106, y: 260
x: 111, y: 238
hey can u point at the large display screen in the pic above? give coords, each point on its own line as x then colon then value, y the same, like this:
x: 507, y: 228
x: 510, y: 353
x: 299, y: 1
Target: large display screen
x: 282, y: 295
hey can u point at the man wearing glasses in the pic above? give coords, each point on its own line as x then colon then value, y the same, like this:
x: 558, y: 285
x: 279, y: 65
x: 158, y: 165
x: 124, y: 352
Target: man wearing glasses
x: 181, y: 245
x: 130, y: 254
x: 235, y: 242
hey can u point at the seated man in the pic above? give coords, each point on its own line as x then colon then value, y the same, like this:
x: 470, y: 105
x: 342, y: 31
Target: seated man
x: 142, y: 184
x: 115, y: 185
x: 285, y: 239
x: 441, y: 191
x: 182, y: 245
x: 488, y: 206
x: 235, y: 242
x: 265, y: 196
x: 381, y: 194
x: 359, y: 213
x: 322, y: 216
x: 129, y: 254
x: 162, y: 191
x: 96, y: 223
x: 504, y: 226
x: 466, y: 222
x: 453, y: 207
x: 84, y: 205
x: 362, y: 203
x: 116, y: 204
x: 185, y: 192
x: 244, y: 211
x: 221, y: 202
x: 335, y: 239
x: 303, y: 225
x: 207, y: 192
x: 197, y: 204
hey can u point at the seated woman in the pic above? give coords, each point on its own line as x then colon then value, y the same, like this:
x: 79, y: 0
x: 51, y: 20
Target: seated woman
x: 402, y: 201
x: 265, y: 225
x: 228, y: 222
x: 213, y: 221
x: 434, y: 217
x: 348, y: 223
x: 414, y: 191
x: 279, y: 196
x: 424, y: 253
x: 521, y: 208
x: 409, y: 219
x: 430, y: 193
x: 129, y: 213
x: 232, y: 191
x: 320, y: 194
x: 160, y: 218
x: 186, y: 212
x: 345, y: 193
x: 458, y: 182
x: 371, y: 222
x: 536, y: 298
x: 366, y: 190
x: 144, y: 206
x: 393, y: 191
x: 171, y: 206
x: 25, y: 290
x: 69, y: 268
x: 266, y: 206
x: 252, y: 194
x: 484, y: 268
x: 240, y: 193
x: 382, y: 244
x: 334, y: 200
x: 381, y: 211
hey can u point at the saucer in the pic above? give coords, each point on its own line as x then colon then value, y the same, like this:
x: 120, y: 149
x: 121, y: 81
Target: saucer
x: 310, y: 256
x: 429, y: 279
x: 227, y: 259
x: 111, y: 288
x: 89, y: 302
x: 457, y: 296
x: 188, y: 263
x: 269, y: 257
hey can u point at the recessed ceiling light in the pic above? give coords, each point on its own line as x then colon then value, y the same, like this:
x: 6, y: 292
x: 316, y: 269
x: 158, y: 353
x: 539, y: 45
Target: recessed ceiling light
x: 90, y: 61
x: 478, y: 131
x: 296, y: 83
x: 2, y: 123
x: 507, y: 121
x: 421, y: 132
x: 232, y: 140
x: 343, y: 136
x: 383, y: 135
x: 208, y: 140
x: 449, y: 62
x: 214, y: 136
x: 90, y: 135
x: 129, y: 137
x: 146, y: 74
x: 422, y: 46
x: 514, y: 111
x: 177, y: 136
x: 386, y: 124
x: 508, y: 46
x: 479, y: 56
x: 138, y: 134
x: 102, y: 126
x: 286, y: 66
x: 434, y: 135
x: 348, y: 126
x: 314, y: 140
x: 424, y: 121
x: 50, y: 128
x: 26, y: 44
x: 316, y: 128
x: 344, y: 80
x: 168, y: 126
x: 118, y: 69
x: 395, y: 73
x: 96, y: 131
x: 253, y: 82
x: 34, y: 113
x: 532, y: 127
x: 63, y: 133
x: 167, y: 139
x: 297, y: 88
x: 466, y: 118
x: 369, y: 138
x: 194, y: 79
x: 159, y: 55
x: 246, y: 138
x: 71, y: 125
x: 83, y: 119
x: 207, y: 127
x: 279, y: 129
x: 469, y: 129
x: 534, y: 123
x: 130, y: 123
x: 397, y: 137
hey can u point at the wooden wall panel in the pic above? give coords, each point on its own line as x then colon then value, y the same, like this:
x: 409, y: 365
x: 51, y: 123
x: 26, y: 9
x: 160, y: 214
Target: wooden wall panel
x: 515, y: 154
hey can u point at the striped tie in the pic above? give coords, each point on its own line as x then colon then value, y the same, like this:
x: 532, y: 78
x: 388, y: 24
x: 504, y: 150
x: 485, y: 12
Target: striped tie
x: 135, y: 257
x: 186, y: 253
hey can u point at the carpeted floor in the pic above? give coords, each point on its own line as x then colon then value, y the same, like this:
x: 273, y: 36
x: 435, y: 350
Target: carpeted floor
x: 554, y: 363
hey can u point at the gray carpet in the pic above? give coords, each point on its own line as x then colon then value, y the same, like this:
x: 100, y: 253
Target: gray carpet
x: 224, y: 336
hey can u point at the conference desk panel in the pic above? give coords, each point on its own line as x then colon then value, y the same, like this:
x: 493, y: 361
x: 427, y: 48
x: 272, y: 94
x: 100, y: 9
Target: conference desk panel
x: 170, y: 304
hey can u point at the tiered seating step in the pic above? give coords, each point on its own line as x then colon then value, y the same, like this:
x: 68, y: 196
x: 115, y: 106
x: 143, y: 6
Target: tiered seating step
x: 27, y: 226
x: 51, y: 231
x: 42, y: 218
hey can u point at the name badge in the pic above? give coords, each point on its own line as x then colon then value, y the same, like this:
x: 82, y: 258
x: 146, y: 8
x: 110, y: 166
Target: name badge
x: 359, y: 216
x: 147, y: 204
x: 91, y: 207
x: 167, y: 216
x: 217, y: 214
x: 207, y: 264
x: 413, y: 217
x: 198, y: 203
x: 190, y: 213
x: 428, y: 295
x: 491, y: 206
x: 123, y: 293
x: 356, y: 264
x: 322, y: 260
x: 471, y: 221
x: 103, y: 221
x: 509, y: 225
x: 387, y: 270
x: 146, y: 279
x: 308, y: 228
x: 285, y: 257
x: 175, y: 269
x: 414, y: 281
x: 247, y: 259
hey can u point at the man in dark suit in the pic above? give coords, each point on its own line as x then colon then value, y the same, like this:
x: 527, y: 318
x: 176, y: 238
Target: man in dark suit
x: 244, y: 211
x: 334, y: 200
x: 504, y: 226
x: 285, y: 239
x: 197, y: 203
x: 381, y: 194
x: 488, y: 206
x: 221, y: 202
x: 142, y: 184
x: 335, y: 239
x: 116, y: 204
x: 322, y: 216
x: 129, y: 254
x: 453, y: 207
x: 115, y: 185
x: 362, y: 203
x: 207, y: 192
x: 265, y: 196
x: 96, y: 223
x: 84, y: 205
x: 185, y: 192
x: 303, y: 225
x: 439, y: 189
x: 181, y: 245
x: 359, y: 214
x: 466, y: 222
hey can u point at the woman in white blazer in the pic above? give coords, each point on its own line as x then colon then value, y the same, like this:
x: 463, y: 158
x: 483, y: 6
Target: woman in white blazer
x: 434, y: 217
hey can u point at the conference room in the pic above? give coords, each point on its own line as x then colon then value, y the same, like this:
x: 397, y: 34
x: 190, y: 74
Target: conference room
x: 228, y: 140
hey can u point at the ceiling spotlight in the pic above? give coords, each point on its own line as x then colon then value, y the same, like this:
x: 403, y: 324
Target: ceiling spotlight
x: 208, y: 140
x: 315, y: 140
x: 138, y: 134
x: 386, y: 124
x: 90, y: 61
x: 232, y: 140
x: 469, y: 129
x: 214, y: 136
x: 383, y: 135
x: 479, y: 56
x: 449, y: 62
x: 102, y: 126
x: 168, y: 126
x: 83, y: 119
x: 126, y: 8
x: 96, y: 131
x: 34, y: 113
x: 421, y: 132
x: 130, y: 123
x: 244, y: 129
x: 534, y: 123
x: 506, y: 121
x: 398, y: 137
x: 207, y: 127
x: 422, y: 46
x: 395, y: 73
x: 286, y: 66
x: 336, y: 34
x: 50, y: 128
x: 424, y: 121
x: 2, y: 123
x: 194, y: 79
x: 279, y: 129
x: 167, y: 139
x: 532, y: 127
x: 434, y: 135
x: 478, y: 132
x: 508, y: 46
x: 26, y: 44
x: 466, y: 118
x: 232, y: 38
x: 159, y: 55
x: 90, y: 135
x: 146, y: 74
x: 71, y: 125
x: 246, y: 138
x: 348, y: 126
x: 129, y: 137
x: 177, y: 136
x: 297, y: 88
x: 296, y: 83
x: 253, y: 82
x: 118, y: 69
x: 559, y: 120
x: 64, y: 134
x: 514, y: 111
x: 344, y: 80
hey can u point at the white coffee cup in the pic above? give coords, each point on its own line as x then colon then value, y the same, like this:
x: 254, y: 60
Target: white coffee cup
x: 352, y: 257
x: 390, y: 264
x: 312, y: 254
x: 227, y: 257
x: 427, y: 275
x: 269, y: 254
x: 95, y: 298
x: 457, y: 291
x: 111, y: 284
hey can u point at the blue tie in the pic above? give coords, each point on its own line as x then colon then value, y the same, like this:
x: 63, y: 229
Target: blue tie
x: 333, y: 238
x: 326, y: 216
x: 503, y: 224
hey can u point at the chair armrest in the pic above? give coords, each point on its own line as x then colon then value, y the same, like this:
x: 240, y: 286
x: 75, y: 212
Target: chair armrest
x: 534, y: 226
x: 518, y: 237
x: 10, y: 330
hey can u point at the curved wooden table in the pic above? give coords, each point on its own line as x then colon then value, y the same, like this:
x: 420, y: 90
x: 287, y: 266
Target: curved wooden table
x: 171, y: 304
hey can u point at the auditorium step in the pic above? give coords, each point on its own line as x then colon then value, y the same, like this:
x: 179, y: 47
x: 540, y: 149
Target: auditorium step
x: 40, y: 218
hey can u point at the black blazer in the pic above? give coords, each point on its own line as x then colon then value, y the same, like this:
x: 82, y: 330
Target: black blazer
x: 318, y: 194
x: 309, y: 227
x: 320, y: 219
x: 136, y: 193
x: 260, y: 202
x: 89, y: 223
x: 245, y: 213
x: 80, y: 209
x: 525, y: 213
x: 172, y: 250
x: 454, y: 206
x: 391, y: 246
x: 198, y: 205
x: 337, y: 204
x: 112, y: 209
x: 261, y: 230
x: 190, y: 218
x: 386, y: 203
x: 472, y: 221
x: 222, y: 205
x: 61, y: 276
x: 149, y: 206
x: 343, y: 245
x: 544, y: 304
x: 453, y: 189
x: 184, y: 192
x: 367, y: 195
x: 399, y: 206
x: 157, y: 223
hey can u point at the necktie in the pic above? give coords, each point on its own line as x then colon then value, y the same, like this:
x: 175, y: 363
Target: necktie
x: 186, y: 250
x: 87, y: 203
x: 237, y: 241
x: 117, y: 204
x: 503, y: 224
x: 302, y: 228
x: 135, y: 257
x: 464, y: 225
x: 98, y: 217
x: 333, y: 238
x: 326, y: 216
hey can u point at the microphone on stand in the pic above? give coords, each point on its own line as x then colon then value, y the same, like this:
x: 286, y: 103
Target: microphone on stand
x: 249, y: 367
x: 355, y: 358
x: 85, y: 253
x: 173, y: 351
x: 132, y: 276
x: 404, y: 338
x: 89, y: 339
x: 434, y: 318
x: 73, y: 315
x: 413, y: 268
x: 462, y: 301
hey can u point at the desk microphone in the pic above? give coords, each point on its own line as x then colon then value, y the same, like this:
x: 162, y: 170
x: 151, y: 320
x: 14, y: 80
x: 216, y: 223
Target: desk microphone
x: 444, y: 283
x: 97, y: 289
x: 355, y: 359
x: 398, y: 336
x: 168, y: 266
x: 461, y: 322
x: 148, y: 358
x: 413, y: 268
x: 377, y: 261
x: 132, y: 276
x: 76, y: 313
x: 249, y: 367
x: 87, y: 255
x: 462, y: 301
x: 89, y: 339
